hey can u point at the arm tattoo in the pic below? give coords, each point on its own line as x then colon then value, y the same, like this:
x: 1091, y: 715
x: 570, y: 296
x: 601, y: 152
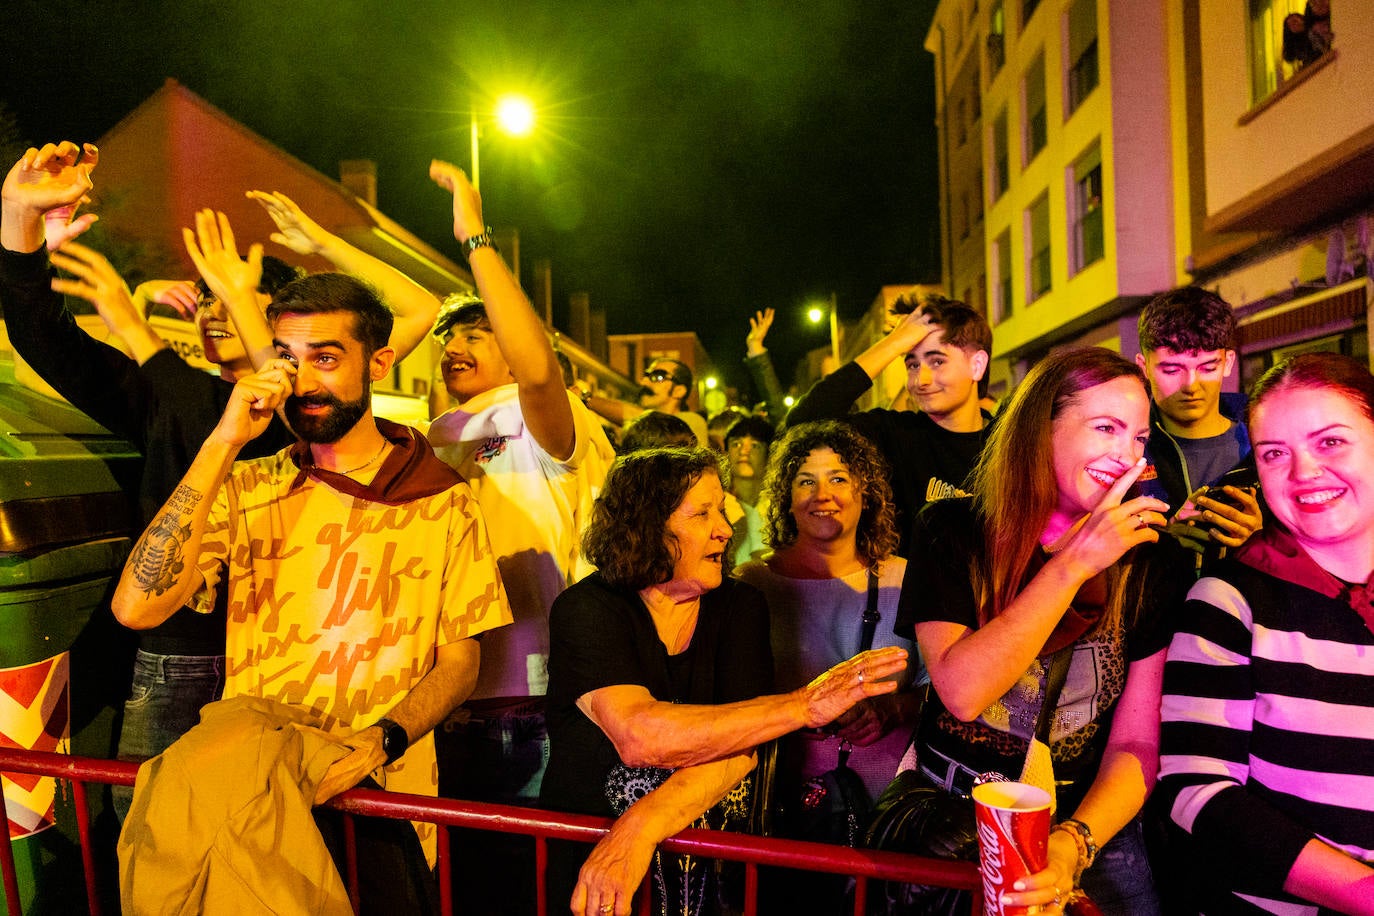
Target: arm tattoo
x: 158, y: 557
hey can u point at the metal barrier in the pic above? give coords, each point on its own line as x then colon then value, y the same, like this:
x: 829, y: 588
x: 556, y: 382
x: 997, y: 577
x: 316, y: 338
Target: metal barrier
x: 864, y: 865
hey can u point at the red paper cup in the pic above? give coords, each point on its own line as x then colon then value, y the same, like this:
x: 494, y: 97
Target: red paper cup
x: 1013, y: 839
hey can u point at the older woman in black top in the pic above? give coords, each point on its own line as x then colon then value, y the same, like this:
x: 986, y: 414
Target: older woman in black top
x: 653, y: 662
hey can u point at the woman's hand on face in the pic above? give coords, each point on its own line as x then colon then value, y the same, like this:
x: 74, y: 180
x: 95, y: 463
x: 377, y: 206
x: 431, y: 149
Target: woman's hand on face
x: 835, y: 691
x: 1114, y: 527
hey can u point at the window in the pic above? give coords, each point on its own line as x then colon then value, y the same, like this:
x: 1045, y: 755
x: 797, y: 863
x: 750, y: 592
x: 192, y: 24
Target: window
x: 1038, y: 251
x: 1284, y: 37
x: 999, y: 178
x: 966, y: 209
x: 1001, y: 281
x: 997, y: 38
x: 960, y: 124
x: 1082, y: 52
x: 1033, y: 91
x: 1086, y: 196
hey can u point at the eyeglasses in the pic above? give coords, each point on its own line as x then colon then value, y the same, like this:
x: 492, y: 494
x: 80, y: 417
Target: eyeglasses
x: 658, y: 375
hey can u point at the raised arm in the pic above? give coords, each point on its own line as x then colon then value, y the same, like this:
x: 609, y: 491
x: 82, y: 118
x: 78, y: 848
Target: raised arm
x: 161, y: 575
x: 233, y: 280
x: 519, y: 333
x: 414, y: 306
x: 760, y: 366
x: 620, y: 860
x: 100, y: 284
x: 46, y: 178
x: 650, y: 732
x: 831, y: 397
x: 970, y: 668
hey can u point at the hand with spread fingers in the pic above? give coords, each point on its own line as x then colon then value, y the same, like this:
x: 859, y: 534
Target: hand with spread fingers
x: 295, y: 230
x: 45, y: 179
x: 214, y: 252
x: 758, y: 330
x: 95, y: 280
x: 178, y: 295
x: 836, y: 690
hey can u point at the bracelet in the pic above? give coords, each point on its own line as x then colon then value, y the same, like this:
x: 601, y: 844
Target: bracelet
x: 1083, y: 838
x: 482, y: 240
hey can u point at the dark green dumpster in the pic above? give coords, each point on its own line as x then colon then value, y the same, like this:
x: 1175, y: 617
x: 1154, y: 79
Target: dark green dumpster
x: 65, y: 528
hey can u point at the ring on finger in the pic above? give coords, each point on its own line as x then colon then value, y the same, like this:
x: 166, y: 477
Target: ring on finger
x: 1140, y: 521
x: 610, y: 907
x: 861, y: 675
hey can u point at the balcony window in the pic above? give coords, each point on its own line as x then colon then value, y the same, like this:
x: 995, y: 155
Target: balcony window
x: 1082, y: 75
x: 1001, y: 281
x: 1033, y: 91
x: 997, y: 38
x: 1038, y: 248
x: 1284, y: 37
x: 1086, y: 197
x: 998, y: 179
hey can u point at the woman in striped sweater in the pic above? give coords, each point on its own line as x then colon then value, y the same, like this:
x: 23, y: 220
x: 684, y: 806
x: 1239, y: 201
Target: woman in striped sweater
x: 1267, y: 743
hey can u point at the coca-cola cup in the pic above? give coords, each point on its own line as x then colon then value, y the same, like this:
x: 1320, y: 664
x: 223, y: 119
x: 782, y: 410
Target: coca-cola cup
x: 1013, y: 839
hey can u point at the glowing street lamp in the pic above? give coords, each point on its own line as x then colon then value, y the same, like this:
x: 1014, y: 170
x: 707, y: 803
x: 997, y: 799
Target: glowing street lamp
x: 514, y: 115
x: 816, y: 313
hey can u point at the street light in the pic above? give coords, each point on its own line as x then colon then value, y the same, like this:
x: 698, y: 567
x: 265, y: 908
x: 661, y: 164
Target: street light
x: 816, y: 313
x: 514, y: 115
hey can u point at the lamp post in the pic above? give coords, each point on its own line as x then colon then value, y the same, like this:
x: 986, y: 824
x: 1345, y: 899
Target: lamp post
x: 514, y: 114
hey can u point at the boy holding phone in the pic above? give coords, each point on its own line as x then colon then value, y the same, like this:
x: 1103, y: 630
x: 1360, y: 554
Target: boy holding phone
x: 1199, y: 449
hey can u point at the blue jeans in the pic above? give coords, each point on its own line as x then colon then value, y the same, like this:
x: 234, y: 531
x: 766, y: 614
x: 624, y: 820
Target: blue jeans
x: 164, y: 703
x: 1120, y: 881
x: 497, y: 755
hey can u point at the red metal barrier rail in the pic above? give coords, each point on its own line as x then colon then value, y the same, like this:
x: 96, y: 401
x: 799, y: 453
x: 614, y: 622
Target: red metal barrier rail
x: 865, y: 865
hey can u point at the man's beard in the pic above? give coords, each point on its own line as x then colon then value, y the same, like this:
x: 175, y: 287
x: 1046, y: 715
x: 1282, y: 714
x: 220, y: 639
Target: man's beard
x: 331, y: 426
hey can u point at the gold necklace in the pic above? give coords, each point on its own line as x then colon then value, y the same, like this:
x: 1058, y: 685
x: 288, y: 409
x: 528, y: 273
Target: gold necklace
x: 369, y: 461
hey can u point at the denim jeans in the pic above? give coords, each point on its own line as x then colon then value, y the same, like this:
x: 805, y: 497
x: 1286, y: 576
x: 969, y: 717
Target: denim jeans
x: 1120, y: 880
x: 497, y: 757
x: 164, y: 703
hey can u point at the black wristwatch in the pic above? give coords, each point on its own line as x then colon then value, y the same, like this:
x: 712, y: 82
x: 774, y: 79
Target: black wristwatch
x: 394, y: 739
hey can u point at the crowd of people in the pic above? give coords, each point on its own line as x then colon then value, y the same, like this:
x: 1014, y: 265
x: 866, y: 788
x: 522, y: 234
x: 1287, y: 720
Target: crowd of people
x: 1146, y: 596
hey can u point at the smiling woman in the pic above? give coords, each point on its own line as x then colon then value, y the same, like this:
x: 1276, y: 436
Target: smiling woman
x: 1267, y: 744
x: 1038, y: 605
x: 658, y: 666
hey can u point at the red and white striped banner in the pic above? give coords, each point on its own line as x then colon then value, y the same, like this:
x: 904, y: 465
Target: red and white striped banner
x: 34, y: 714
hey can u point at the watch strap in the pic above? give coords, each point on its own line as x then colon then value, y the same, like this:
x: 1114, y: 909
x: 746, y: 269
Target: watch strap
x: 395, y: 739
x: 481, y: 240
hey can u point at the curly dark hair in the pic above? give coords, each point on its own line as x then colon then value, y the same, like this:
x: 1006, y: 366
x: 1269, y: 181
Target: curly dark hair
x: 337, y: 292
x: 627, y: 537
x: 1187, y: 319
x: 876, y: 536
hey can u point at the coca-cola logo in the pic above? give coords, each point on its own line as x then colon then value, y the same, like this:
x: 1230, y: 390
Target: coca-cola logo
x: 991, y: 844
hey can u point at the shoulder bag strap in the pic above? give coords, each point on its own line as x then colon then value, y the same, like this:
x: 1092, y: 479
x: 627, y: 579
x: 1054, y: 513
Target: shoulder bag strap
x: 870, y: 627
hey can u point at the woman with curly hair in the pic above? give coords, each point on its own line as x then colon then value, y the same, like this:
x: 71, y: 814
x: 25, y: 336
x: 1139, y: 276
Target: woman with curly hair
x: 657, y: 663
x: 832, y: 529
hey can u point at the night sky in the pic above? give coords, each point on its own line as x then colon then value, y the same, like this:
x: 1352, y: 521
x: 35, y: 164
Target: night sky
x: 693, y: 161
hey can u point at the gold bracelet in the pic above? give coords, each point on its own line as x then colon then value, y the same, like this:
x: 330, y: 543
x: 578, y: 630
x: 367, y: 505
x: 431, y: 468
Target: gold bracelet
x: 1082, y: 845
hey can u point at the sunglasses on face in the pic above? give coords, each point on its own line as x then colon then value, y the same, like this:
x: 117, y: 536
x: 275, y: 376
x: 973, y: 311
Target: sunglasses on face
x: 658, y: 375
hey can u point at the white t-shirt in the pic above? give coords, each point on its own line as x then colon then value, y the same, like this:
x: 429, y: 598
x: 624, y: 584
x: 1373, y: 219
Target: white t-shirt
x: 536, y: 508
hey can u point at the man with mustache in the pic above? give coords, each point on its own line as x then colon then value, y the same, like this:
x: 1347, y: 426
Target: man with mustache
x: 358, y: 536
x: 664, y: 385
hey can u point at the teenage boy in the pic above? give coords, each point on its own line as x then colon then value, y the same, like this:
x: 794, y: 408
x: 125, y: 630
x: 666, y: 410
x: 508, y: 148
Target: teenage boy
x: 1197, y: 432
x: 946, y: 347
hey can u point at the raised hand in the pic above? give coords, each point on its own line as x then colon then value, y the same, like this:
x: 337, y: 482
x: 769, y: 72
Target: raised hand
x: 832, y: 693
x: 213, y: 251
x: 52, y: 176
x: 62, y: 228
x: 179, y: 295
x: 467, y: 203
x: 1114, y: 527
x: 758, y: 330
x: 295, y: 230
x: 97, y: 282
